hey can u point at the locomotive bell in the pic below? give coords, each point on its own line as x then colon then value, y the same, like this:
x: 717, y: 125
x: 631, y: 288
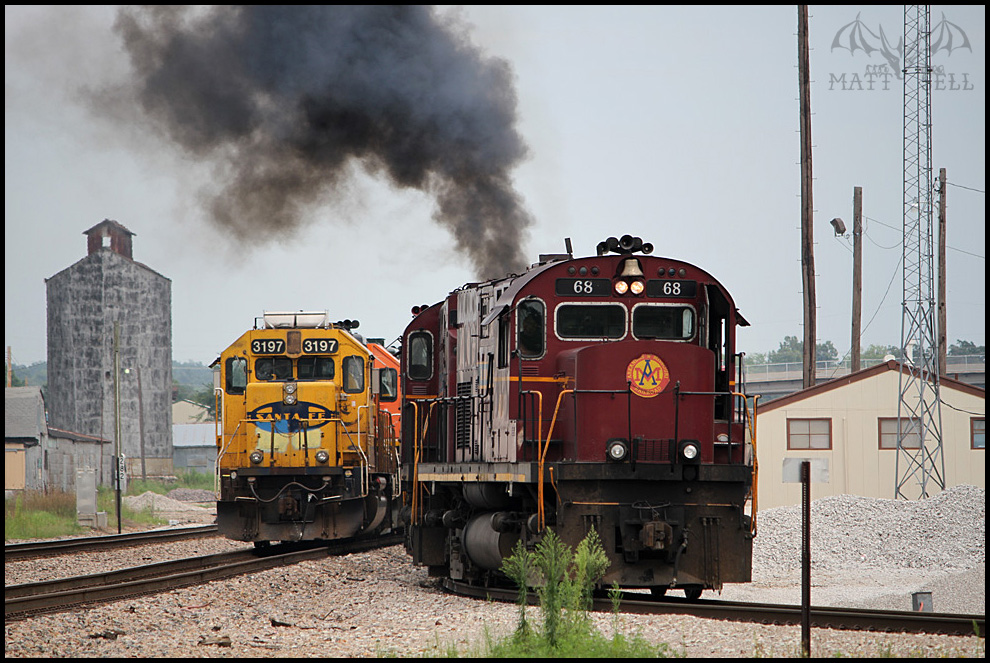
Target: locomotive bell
x: 630, y: 267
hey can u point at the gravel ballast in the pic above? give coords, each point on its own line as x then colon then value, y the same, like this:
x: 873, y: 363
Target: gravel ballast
x: 865, y: 553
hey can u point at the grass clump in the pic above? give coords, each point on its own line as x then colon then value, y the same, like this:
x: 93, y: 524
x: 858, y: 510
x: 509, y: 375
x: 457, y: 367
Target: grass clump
x: 34, y: 514
x: 565, y: 581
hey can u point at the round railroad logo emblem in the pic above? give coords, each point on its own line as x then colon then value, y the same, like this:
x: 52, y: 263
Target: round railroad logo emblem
x: 647, y: 375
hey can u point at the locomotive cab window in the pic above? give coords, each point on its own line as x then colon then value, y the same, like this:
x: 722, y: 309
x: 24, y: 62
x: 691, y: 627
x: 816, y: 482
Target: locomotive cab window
x: 353, y: 374
x: 581, y: 321
x: 388, y: 381
x: 236, y: 375
x: 663, y: 322
x: 273, y: 368
x: 315, y: 368
x: 503, y: 340
x: 420, y: 356
x: 531, y: 327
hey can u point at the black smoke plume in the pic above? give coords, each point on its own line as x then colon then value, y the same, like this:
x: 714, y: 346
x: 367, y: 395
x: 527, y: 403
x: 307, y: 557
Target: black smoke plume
x: 285, y: 99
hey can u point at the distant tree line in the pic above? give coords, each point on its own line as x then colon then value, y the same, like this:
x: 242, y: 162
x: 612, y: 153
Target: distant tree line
x: 191, y: 381
x: 791, y: 350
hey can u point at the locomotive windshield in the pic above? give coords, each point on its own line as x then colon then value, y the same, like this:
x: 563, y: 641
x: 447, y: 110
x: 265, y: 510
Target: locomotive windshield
x: 273, y: 368
x: 315, y: 368
x: 663, y: 322
x: 591, y: 321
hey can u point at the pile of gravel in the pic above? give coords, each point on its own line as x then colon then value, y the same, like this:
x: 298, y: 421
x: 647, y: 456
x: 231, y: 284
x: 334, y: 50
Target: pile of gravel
x: 946, y: 532
x: 875, y: 553
x: 192, y: 495
x: 158, y: 503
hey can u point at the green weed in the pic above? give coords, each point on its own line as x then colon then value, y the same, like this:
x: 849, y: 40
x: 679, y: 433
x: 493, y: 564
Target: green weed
x: 565, y: 581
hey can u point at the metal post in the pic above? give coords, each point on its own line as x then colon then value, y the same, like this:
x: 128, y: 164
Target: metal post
x: 857, y: 312
x: 806, y: 559
x: 116, y: 415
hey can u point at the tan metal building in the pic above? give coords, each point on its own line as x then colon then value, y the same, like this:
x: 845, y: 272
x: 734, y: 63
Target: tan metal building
x: 851, y: 423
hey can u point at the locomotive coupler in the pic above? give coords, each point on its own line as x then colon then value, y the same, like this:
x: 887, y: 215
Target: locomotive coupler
x: 656, y: 535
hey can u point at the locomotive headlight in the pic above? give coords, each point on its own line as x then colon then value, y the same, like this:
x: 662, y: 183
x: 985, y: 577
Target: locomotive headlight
x: 289, y: 393
x: 256, y: 457
x: 322, y: 456
x: 637, y: 287
x: 689, y: 451
x: 621, y: 287
x: 617, y: 450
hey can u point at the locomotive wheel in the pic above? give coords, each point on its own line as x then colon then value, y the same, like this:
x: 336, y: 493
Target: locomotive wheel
x: 658, y: 590
x: 693, y: 593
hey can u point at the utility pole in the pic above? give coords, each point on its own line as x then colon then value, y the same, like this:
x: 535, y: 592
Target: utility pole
x: 857, y: 298
x: 943, y: 335
x: 807, y: 207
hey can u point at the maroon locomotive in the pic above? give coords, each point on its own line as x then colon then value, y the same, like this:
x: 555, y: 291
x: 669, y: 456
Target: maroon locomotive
x: 597, y: 392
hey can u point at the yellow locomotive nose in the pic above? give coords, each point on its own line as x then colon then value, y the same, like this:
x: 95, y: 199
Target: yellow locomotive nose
x: 291, y: 422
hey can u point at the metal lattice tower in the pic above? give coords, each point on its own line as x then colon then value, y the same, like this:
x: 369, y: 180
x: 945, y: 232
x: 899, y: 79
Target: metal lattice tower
x: 920, y: 466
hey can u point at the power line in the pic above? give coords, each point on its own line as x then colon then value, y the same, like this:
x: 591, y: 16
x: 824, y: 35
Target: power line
x: 968, y: 188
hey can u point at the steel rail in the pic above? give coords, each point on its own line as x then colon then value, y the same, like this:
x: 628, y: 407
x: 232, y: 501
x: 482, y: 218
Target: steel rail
x: 857, y: 619
x: 22, y: 601
x: 14, y: 551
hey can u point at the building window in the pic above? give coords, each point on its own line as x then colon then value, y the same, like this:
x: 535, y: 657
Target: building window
x: 977, y: 433
x: 910, y: 433
x: 809, y: 433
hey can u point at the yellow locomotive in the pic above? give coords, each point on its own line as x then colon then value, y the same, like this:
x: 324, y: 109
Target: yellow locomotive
x: 306, y: 446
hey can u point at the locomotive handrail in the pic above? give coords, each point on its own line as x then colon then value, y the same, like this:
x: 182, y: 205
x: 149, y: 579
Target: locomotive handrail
x: 417, y: 450
x: 678, y: 392
x: 388, y: 425
x: 539, y: 416
x: 540, y: 511
x: 223, y: 452
x: 415, y: 459
x: 365, y: 479
x: 756, y: 465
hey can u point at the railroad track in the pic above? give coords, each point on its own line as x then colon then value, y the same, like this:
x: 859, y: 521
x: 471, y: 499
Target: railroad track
x: 25, y: 600
x: 31, y: 549
x: 894, y: 621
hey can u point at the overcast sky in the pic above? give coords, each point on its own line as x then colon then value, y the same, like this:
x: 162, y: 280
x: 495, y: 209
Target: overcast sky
x: 678, y: 125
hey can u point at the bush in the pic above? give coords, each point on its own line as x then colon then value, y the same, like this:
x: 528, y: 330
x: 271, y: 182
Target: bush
x: 565, y: 583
